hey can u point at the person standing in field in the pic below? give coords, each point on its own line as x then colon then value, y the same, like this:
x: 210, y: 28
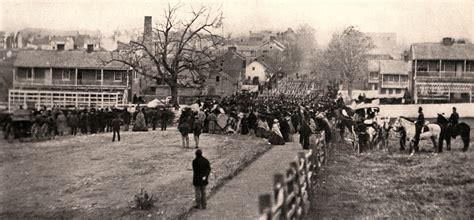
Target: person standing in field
x: 184, y: 126
x: 197, y: 129
x: 116, y: 122
x: 212, y: 118
x: 201, y: 171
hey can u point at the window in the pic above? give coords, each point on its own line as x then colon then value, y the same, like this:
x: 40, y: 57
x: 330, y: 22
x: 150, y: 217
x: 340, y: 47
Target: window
x: 265, y: 51
x: 98, y: 76
x: 374, y: 75
x: 75, y: 47
x: 390, y: 91
x: 90, y: 47
x: 253, y: 68
x: 27, y: 73
x: 65, y: 75
x: 398, y: 91
x: 218, y: 78
x: 60, y: 46
x: 376, y: 86
x: 243, y: 64
x: 117, y: 76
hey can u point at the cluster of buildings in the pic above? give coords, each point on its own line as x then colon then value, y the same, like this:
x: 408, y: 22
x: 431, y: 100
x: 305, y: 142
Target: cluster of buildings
x: 71, y: 71
x: 434, y: 72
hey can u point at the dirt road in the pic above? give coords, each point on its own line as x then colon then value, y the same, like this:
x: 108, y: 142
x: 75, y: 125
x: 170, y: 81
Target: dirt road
x: 91, y: 177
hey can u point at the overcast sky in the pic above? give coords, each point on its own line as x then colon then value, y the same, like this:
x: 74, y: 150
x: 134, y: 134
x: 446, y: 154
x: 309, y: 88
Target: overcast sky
x: 411, y: 20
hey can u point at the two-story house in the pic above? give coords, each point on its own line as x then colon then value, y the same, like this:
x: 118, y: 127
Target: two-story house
x: 68, y: 79
x: 442, y: 72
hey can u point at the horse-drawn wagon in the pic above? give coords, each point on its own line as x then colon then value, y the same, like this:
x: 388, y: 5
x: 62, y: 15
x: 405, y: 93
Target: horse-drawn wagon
x: 18, y: 125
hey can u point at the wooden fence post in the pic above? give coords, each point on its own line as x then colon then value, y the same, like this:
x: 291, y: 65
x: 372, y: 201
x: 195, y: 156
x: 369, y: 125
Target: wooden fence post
x: 304, y: 160
x: 265, y: 205
x: 279, y: 185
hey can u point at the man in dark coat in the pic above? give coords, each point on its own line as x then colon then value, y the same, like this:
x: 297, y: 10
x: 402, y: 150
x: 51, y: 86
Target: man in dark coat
x: 420, y: 121
x: 116, y: 122
x: 201, y: 171
x: 454, y: 118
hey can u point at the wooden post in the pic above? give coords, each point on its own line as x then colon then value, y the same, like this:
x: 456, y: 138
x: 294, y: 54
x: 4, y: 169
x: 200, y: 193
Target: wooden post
x: 440, y: 68
x: 101, y: 78
x: 265, y: 205
x: 415, y: 90
x: 299, y: 189
x: 14, y: 77
x: 76, y: 72
x: 279, y: 185
x: 465, y: 66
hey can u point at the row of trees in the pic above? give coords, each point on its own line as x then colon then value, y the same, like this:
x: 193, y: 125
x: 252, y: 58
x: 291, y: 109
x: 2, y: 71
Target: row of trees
x: 186, y: 42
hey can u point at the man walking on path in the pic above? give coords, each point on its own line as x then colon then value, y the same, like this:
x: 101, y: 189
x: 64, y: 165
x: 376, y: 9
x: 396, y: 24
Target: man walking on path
x: 201, y: 170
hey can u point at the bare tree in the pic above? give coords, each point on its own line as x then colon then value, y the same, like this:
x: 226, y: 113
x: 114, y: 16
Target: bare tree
x: 346, y: 55
x: 183, y: 42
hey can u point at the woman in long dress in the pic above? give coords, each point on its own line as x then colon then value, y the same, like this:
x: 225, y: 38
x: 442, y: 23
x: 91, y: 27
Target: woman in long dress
x: 140, y: 122
x: 276, y: 138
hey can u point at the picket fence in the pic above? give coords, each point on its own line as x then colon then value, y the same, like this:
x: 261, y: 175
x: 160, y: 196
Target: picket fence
x: 293, y: 190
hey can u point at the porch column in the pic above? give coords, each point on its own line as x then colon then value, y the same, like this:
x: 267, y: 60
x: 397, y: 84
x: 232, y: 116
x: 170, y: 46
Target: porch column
x: 415, y: 90
x: 75, y: 78
x: 49, y: 81
x: 14, y: 77
x: 33, y: 74
x: 101, y: 78
x: 465, y: 66
x: 440, y: 64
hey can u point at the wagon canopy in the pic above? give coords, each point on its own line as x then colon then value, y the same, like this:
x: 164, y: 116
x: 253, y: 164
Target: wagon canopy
x: 21, y: 115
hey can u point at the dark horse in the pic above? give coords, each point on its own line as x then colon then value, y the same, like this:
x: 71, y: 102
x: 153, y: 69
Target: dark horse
x: 343, y: 121
x: 449, y: 131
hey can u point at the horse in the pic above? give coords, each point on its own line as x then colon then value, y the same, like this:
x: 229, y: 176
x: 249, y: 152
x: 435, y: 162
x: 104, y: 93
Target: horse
x: 344, y: 122
x: 449, y: 131
x: 431, y: 131
x: 383, y: 134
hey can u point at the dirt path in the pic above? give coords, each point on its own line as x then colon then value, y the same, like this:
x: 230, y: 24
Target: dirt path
x: 392, y: 184
x: 91, y: 177
x: 238, y: 199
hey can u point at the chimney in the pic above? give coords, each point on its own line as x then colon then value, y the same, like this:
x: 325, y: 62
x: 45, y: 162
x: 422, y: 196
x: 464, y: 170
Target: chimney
x: 232, y: 48
x: 147, y: 31
x: 448, y: 41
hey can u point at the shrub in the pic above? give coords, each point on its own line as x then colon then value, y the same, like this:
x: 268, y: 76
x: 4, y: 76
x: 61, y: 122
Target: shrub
x: 143, y: 201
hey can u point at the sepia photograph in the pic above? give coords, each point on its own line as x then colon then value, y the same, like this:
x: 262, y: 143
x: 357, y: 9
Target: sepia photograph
x: 236, y: 109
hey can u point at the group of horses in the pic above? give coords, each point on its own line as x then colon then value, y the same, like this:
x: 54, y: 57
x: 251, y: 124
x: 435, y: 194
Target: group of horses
x: 378, y: 132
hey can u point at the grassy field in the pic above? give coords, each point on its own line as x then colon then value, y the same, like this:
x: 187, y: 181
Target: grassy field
x: 91, y: 177
x: 393, y: 184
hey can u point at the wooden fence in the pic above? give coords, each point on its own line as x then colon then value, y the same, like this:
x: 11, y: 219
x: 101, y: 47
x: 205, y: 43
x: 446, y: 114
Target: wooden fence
x: 293, y: 190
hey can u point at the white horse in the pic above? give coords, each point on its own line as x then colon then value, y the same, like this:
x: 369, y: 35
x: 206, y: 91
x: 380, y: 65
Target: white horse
x: 433, y: 132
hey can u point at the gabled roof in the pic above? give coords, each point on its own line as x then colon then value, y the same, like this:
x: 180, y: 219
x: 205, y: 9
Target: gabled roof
x: 394, y: 67
x: 65, y: 59
x: 438, y: 51
x: 275, y: 42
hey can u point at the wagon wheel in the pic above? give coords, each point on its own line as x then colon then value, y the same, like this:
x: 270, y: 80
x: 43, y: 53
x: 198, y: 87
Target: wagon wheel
x: 10, y: 135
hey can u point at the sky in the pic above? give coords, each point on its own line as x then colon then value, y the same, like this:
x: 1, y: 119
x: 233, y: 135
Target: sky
x: 411, y: 20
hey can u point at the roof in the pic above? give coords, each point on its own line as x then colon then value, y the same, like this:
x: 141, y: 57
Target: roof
x: 374, y: 65
x: 65, y: 59
x: 394, y: 67
x: 438, y: 51
x: 246, y: 47
x: 275, y: 42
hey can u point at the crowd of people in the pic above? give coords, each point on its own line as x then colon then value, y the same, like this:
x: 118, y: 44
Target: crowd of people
x: 272, y: 117
x: 59, y: 122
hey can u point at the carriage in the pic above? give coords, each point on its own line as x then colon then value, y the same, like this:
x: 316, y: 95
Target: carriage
x: 19, y: 125
x: 365, y: 135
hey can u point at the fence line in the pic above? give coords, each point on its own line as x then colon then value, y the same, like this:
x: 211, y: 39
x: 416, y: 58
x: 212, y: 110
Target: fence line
x: 292, y: 191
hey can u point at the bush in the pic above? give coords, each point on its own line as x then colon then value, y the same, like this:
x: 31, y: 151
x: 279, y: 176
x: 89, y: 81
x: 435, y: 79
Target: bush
x: 143, y: 201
